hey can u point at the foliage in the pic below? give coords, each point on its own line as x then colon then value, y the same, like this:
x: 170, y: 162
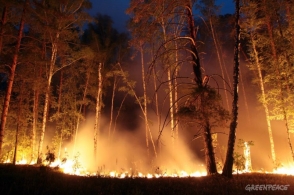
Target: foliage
x: 204, y: 103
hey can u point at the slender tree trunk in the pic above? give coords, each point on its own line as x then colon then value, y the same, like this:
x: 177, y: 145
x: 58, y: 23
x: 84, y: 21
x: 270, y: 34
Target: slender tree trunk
x: 176, y: 105
x: 244, y: 96
x: 118, y: 113
x: 228, y: 166
x: 170, y: 88
x: 266, y: 109
x: 156, y: 101
x: 18, y: 124
x: 58, y: 112
x: 143, y: 111
x: 209, y: 154
x: 98, y: 110
x: 11, y: 76
x: 219, y: 61
x: 112, y: 105
x: 144, y: 98
x: 47, y: 94
x: 80, y: 112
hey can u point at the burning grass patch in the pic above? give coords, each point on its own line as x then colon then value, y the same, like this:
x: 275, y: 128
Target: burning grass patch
x: 29, y: 179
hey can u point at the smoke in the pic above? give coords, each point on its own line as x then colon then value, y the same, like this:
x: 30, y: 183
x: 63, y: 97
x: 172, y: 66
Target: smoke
x: 127, y: 151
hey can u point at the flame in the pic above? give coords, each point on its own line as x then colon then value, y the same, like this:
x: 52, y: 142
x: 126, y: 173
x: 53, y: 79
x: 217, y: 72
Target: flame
x: 285, y: 170
x: 70, y: 167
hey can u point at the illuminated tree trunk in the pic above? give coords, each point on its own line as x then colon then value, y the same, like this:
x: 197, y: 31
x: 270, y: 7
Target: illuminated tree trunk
x: 80, y: 111
x: 261, y: 83
x: 38, y: 74
x: 17, y: 124
x: 35, y: 121
x: 244, y: 96
x: 2, y: 24
x: 286, y: 103
x: 176, y: 105
x: 98, y: 110
x: 112, y: 105
x: 208, y: 147
x: 47, y: 94
x: 170, y: 86
x: 142, y: 109
x: 144, y: 98
x: 58, y: 113
x: 228, y: 166
x: 156, y: 102
x: 219, y: 60
x: 11, y: 76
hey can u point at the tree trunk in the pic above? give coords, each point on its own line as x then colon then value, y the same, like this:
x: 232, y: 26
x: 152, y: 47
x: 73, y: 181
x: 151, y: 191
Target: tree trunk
x: 112, y: 105
x: 17, y: 124
x: 58, y: 113
x: 98, y: 110
x: 144, y: 98
x: 219, y: 61
x: 170, y: 87
x: 209, y: 151
x: 11, y: 76
x: 143, y: 111
x: 176, y: 104
x: 47, y: 94
x: 286, y: 78
x: 80, y: 112
x: 156, y: 102
x: 228, y: 166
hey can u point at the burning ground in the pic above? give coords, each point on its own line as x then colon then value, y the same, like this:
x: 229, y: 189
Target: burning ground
x: 28, y: 179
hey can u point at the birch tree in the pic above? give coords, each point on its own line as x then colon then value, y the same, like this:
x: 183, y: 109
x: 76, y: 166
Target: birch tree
x: 58, y: 20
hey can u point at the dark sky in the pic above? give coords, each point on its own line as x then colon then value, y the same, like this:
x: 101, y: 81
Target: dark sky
x: 116, y: 9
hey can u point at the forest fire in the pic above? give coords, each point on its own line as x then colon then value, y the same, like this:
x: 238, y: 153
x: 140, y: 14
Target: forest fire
x: 71, y: 167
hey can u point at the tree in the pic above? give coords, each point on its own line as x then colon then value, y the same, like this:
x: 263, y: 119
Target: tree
x: 228, y: 166
x: 105, y: 43
x: 60, y: 21
x: 12, y: 74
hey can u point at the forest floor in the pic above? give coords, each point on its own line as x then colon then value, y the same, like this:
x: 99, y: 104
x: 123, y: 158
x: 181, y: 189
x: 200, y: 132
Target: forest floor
x: 28, y: 179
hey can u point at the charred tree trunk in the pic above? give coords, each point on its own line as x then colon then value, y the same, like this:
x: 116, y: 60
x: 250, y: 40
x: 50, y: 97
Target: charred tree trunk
x: 228, y: 166
x: 11, y: 76
x: 209, y: 151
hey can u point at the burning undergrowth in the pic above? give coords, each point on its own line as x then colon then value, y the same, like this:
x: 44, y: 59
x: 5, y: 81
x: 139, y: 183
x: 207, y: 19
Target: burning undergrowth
x: 124, y: 154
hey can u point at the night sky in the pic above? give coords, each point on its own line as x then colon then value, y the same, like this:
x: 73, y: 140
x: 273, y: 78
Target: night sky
x: 116, y: 9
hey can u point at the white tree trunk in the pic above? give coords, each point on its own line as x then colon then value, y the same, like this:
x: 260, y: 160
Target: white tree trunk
x: 98, y: 110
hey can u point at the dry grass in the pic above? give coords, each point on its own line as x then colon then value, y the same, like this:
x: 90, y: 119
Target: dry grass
x: 35, y: 180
